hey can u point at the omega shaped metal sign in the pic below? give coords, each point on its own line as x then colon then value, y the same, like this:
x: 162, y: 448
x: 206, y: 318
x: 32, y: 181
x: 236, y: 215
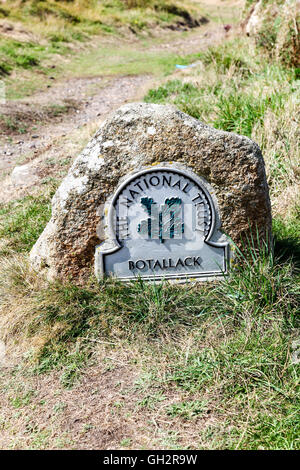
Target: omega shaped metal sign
x: 162, y: 223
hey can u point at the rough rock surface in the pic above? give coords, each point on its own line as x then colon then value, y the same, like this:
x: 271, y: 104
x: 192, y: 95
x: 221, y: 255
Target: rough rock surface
x: 140, y: 135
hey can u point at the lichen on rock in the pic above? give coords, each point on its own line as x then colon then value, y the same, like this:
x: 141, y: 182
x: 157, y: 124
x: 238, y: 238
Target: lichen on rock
x: 140, y: 135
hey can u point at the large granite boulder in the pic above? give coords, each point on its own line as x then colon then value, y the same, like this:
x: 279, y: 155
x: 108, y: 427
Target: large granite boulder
x: 139, y: 136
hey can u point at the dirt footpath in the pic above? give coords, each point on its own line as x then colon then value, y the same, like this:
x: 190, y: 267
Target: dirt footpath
x: 53, y: 125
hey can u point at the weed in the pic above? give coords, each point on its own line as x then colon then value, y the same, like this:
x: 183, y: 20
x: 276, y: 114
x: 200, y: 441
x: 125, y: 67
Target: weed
x: 39, y: 439
x: 172, y: 87
x: 5, y: 68
x: 125, y: 442
x: 3, y: 12
x: 19, y: 401
x: 13, y: 124
x: 239, y: 113
x: 187, y: 409
x: 151, y: 401
x: 20, y: 55
x: 223, y: 61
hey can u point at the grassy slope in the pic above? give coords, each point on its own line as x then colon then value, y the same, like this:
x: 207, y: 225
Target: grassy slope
x: 215, y: 360
x: 37, y: 38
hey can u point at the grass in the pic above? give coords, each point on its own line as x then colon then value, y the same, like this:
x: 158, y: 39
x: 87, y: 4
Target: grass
x: 278, y: 31
x: 55, y: 29
x: 204, y: 366
x: 55, y: 32
x: 254, y: 96
x: 23, y: 121
x: 22, y: 222
x: 247, y: 95
x: 127, y: 61
x: 232, y: 104
x: 224, y: 348
x: 187, y: 409
x: 63, y: 44
x: 93, y: 17
x: 104, y: 60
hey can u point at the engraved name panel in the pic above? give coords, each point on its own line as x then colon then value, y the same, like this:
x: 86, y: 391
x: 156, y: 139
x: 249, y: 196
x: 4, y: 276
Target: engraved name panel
x: 162, y: 223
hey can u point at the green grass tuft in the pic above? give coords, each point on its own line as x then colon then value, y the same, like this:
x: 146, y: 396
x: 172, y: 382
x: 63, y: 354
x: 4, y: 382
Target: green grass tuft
x: 22, y: 222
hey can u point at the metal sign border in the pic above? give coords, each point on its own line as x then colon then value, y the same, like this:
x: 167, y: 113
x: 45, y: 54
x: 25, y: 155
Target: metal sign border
x: 189, y: 174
